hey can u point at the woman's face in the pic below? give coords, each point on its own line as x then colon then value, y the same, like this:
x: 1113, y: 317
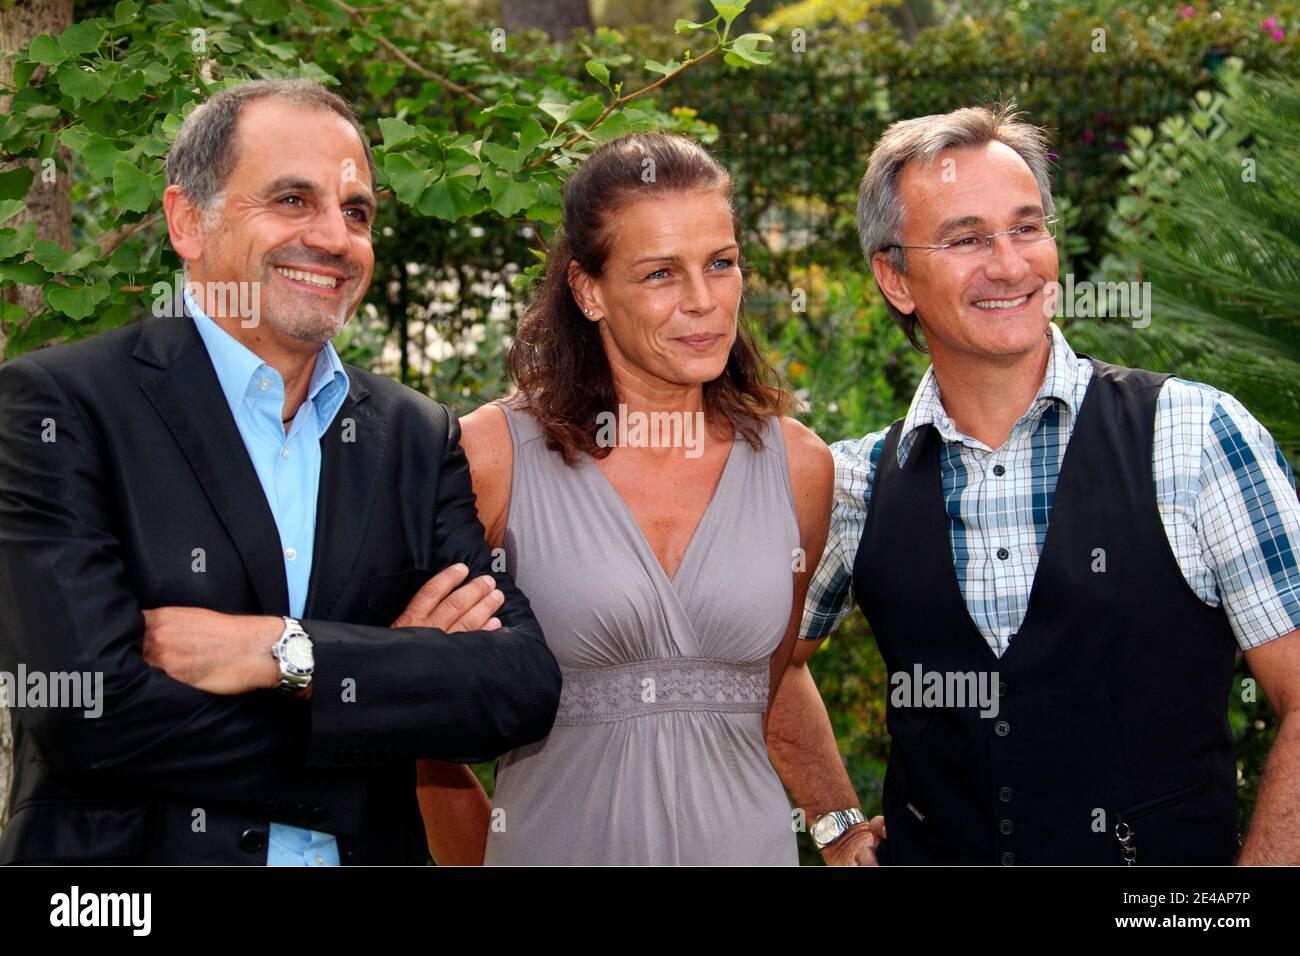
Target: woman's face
x: 667, y: 303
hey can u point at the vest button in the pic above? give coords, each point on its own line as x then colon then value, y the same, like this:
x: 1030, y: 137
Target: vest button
x: 1008, y: 859
x: 1002, y: 728
x: 252, y: 840
x: 1002, y: 688
x: 1005, y: 827
x: 1003, y: 554
x: 1005, y: 794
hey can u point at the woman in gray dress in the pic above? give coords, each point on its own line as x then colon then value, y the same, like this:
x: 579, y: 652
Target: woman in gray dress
x: 663, y: 518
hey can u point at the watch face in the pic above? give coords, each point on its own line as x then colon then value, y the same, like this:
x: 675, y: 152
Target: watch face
x: 297, y: 652
x: 824, y: 829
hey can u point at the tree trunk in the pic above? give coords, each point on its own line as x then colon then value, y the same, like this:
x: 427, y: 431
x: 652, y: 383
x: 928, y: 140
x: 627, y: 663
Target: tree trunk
x: 559, y: 18
x: 47, y: 205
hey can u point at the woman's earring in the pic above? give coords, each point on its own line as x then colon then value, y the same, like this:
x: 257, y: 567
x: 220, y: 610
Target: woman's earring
x: 589, y: 311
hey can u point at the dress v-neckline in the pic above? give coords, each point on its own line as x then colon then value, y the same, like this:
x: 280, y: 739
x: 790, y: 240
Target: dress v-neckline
x: 609, y: 488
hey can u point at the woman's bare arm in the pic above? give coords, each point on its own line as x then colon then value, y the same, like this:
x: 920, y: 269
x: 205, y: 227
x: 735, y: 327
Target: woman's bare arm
x: 800, y: 740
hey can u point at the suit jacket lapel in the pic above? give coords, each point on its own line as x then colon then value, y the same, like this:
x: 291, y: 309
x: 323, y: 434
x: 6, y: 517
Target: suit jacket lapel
x: 351, y: 451
x: 189, y: 399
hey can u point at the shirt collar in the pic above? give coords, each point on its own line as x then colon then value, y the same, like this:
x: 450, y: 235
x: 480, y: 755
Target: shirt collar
x: 1065, y: 382
x: 240, y: 370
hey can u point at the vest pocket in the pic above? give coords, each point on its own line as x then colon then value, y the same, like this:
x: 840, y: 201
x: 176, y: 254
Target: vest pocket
x: 1125, y: 832
x: 910, y: 833
x: 891, y: 783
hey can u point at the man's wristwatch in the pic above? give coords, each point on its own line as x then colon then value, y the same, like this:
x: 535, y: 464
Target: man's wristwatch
x: 829, y: 827
x: 294, y: 652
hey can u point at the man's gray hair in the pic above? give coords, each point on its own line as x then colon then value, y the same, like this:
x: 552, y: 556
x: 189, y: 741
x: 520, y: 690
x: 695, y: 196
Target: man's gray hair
x: 880, y: 214
x: 203, y: 155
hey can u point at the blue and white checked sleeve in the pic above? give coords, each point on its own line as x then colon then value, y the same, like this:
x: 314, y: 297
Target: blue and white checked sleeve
x: 1248, y: 523
x: 830, y: 594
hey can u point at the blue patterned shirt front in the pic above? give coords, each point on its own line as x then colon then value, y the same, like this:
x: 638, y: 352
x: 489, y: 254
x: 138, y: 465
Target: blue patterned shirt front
x: 1226, y: 497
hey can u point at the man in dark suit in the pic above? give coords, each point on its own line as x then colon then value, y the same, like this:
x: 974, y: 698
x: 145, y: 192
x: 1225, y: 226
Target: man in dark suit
x: 258, y: 551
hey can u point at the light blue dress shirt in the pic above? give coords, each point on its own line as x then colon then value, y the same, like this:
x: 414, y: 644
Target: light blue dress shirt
x: 288, y: 466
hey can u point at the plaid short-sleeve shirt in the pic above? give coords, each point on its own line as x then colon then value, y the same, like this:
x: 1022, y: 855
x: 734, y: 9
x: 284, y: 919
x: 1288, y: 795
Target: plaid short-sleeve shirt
x: 1225, y: 492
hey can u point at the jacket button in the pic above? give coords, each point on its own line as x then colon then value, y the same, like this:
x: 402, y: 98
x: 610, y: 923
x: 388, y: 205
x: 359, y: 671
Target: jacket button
x: 1005, y: 827
x: 1002, y: 728
x: 1002, y: 688
x: 252, y: 840
x: 1008, y: 859
x: 1005, y: 794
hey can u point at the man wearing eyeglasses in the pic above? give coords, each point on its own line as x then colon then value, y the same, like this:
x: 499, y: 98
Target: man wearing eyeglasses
x: 1093, y: 543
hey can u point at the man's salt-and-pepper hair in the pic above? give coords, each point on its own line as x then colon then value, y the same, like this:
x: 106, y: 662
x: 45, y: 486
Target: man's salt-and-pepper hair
x: 203, y: 155
x: 880, y: 213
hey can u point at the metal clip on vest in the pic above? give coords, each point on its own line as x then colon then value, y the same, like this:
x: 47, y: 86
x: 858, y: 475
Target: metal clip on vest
x: 1126, y: 843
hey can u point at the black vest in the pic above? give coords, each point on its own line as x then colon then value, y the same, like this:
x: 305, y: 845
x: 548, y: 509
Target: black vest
x: 1113, y: 695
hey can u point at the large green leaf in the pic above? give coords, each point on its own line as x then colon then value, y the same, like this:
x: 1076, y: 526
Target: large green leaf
x: 44, y: 49
x: 407, y: 179
x: 76, y: 302
x: 14, y: 183
x: 132, y: 189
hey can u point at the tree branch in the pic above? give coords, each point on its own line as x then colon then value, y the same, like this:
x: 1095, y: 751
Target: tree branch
x: 355, y: 13
x: 115, y: 237
x: 619, y: 101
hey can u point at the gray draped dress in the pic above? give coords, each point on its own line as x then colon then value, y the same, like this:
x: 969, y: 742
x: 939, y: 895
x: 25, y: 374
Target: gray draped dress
x: 657, y: 754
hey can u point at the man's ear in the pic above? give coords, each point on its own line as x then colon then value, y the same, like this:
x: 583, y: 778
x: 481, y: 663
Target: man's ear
x: 585, y: 292
x: 892, y: 283
x: 184, y: 223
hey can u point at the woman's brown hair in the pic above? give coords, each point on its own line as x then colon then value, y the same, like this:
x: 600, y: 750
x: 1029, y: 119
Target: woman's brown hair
x: 557, y: 360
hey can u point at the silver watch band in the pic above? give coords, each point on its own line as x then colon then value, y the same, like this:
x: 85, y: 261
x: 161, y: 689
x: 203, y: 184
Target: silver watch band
x: 292, y: 679
x: 834, y: 825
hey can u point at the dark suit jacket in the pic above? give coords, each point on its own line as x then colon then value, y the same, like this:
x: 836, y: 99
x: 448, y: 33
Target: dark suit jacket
x: 147, y: 466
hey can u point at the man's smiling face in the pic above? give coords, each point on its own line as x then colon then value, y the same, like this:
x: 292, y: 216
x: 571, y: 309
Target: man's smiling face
x: 295, y: 218
x: 988, y: 303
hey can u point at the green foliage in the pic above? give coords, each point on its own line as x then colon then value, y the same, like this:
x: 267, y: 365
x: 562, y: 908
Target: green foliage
x: 849, y: 364
x: 481, y: 128
x: 798, y: 136
x: 1212, y: 219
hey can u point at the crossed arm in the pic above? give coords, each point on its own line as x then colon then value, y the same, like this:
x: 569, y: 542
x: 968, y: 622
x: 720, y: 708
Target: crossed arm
x: 69, y: 606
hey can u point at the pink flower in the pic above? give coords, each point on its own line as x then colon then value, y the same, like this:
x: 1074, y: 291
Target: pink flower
x: 1277, y: 34
x: 1268, y: 24
x: 1187, y: 12
x: 1089, y: 136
